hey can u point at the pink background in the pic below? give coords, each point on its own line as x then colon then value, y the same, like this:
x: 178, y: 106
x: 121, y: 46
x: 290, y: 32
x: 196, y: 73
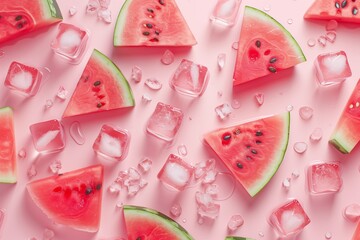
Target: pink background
x: 296, y: 87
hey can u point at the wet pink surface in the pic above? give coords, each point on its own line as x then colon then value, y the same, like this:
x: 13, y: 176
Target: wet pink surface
x: 296, y: 87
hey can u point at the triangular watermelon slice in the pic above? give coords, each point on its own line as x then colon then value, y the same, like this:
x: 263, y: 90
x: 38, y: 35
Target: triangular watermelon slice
x: 265, y: 47
x: 340, y: 10
x: 152, y: 23
x: 144, y: 223
x: 72, y: 199
x: 101, y: 87
x: 252, y: 151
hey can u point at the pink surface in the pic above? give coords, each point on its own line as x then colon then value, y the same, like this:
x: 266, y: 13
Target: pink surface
x: 296, y: 87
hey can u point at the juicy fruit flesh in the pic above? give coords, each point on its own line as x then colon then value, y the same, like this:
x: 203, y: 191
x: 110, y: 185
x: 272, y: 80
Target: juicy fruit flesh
x: 265, y: 47
x: 252, y: 151
x: 7, y: 147
x: 147, y: 23
x: 72, y: 199
x: 15, y: 23
x: 356, y: 235
x: 147, y: 224
x: 101, y: 87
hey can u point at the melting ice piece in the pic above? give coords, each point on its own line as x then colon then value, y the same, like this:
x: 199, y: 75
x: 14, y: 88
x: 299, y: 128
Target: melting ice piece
x: 165, y: 121
x: 221, y: 58
x: 203, y: 167
x: 223, y: 111
x: 182, y: 150
x: 190, y: 79
x: 104, y: 15
x: 306, y: 112
x: 48, y: 234
x: 112, y: 143
x: 76, y: 133
x: 55, y: 166
x: 352, y: 212
x: 70, y: 42
x: 286, y: 183
x: 235, y: 222
x: 132, y: 180
x: 136, y: 74
x: 300, y: 147
x: 72, y: 10
x: 332, y: 68
x: 23, y: 79
x: 48, y: 136
x: 176, y: 210
x: 324, y: 178
x: 225, y: 12
x: 145, y: 165
x: 92, y: 6
x: 259, y: 97
x: 62, y: 93
x: 114, y: 188
x: 153, y: 83
x: 207, y: 208
x: 168, y: 57
x: 316, y: 135
x: 289, y: 219
x: 176, y: 173
x: 209, y: 177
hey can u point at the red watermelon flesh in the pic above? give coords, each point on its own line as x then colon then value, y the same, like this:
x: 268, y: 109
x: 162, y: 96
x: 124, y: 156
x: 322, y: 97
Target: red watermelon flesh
x: 356, y: 235
x: 152, y: 23
x: 101, y: 87
x: 72, y: 199
x: 252, y: 151
x: 346, y: 134
x: 148, y: 224
x: 340, y: 10
x: 265, y: 47
x: 7, y: 146
x: 22, y: 16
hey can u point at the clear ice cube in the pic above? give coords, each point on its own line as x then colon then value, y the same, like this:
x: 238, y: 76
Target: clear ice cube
x: 324, y: 178
x: 190, y: 78
x: 223, y: 111
x: 112, y: 143
x: 235, y: 222
x: 153, y: 83
x: 306, y: 112
x: 225, y: 12
x: 176, y: 173
x: 23, y: 79
x: 289, y: 219
x: 145, y: 165
x: 48, y: 136
x: 332, y: 68
x: 165, y: 121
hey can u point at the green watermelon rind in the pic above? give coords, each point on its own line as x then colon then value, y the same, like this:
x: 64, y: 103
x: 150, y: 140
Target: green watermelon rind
x: 237, y: 238
x: 53, y: 8
x: 267, y: 18
x: 120, y: 23
x: 339, y: 142
x: 160, y: 217
x: 11, y: 177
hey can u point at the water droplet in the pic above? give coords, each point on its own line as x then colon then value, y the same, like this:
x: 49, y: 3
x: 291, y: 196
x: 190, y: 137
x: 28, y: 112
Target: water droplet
x: 306, y: 112
x: 182, y: 150
x: 330, y: 36
x: 261, y: 234
x: 311, y: 42
x: 145, y: 165
x: 31, y: 171
x: 168, y: 57
x: 322, y: 41
x: 184, y: 220
x: 223, y: 111
x: 72, y: 11
x: 2, y: 53
x: 55, y: 166
x: 259, y: 97
x: 352, y: 212
x: 235, y: 222
x: 176, y: 210
x: 235, y: 104
x: 300, y: 147
x: 22, y: 153
x: 331, y: 25
x: 290, y: 21
x: 221, y: 58
x: 76, y: 133
x: 49, y: 103
x: 104, y: 15
x: 316, y: 135
x: 62, y: 93
x: 119, y: 204
x: 235, y: 45
x: 328, y: 235
x: 48, y: 234
x: 286, y: 183
x: 114, y: 188
x: 295, y: 174
x: 153, y: 84
x: 289, y: 108
x: 136, y: 74
x: 267, y: 8
x: 146, y: 98
x: 200, y: 220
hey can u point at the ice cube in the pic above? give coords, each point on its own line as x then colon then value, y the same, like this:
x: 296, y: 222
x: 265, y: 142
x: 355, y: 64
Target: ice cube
x: 259, y: 97
x: 76, y: 133
x: 62, y: 93
x: 352, y: 212
x: 114, y: 188
x: 225, y: 12
x: 223, y: 111
x: 206, y: 206
x: 145, y: 165
x: 48, y: 136
x: 324, y: 178
x: 168, y: 57
x: 55, y: 166
x: 332, y: 68
x: 306, y: 112
x: 72, y: 10
x: 235, y: 222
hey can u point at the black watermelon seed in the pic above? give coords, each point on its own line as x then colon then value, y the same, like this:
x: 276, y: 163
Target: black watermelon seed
x: 88, y: 190
x: 253, y: 151
x: 258, y: 133
x: 18, y: 18
x: 19, y: 26
x: 60, y: 174
x: 162, y: 2
x: 150, y: 10
x: 146, y: 33
x: 273, y: 59
x: 149, y: 25
x: 248, y: 146
x: 354, y: 11
x: 157, y: 32
x: 343, y: 3
x: 258, y: 43
x: 337, y: 5
x: 98, y: 187
x: 258, y: 142
x: 97, y: 83
x: 272, y: 69
x: 239, y: 165
x: 99, y: 105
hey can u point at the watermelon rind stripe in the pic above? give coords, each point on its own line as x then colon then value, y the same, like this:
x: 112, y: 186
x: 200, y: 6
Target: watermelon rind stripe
x: 159, y: 217
x: 339, y: 141
x: 123, y: 83
x: 53, y: 8
x: 237, y: 238
x: 120, y: 22
x: 269, y: 19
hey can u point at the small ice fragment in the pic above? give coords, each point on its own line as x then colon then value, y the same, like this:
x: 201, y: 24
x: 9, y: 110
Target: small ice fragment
x: 211, y: 212
x: 146, y: 98
x: 143, y: 183
x: 46, y: 138
x: 300, y: 147
x: 331, y: 25
x: 328, y: 235
x: 235, y: 222
x: 104, y: 4
x: 261, y: 234
x: 210, y: 176
x: 306, y: 112
x: 290, y: 21
x: 182, y: 150
x: 176, y: 210
x: 133, y: 189
x: 223, y: 111
x: 331, y: 36
x: 48, y: 234
x: 235, y: 45
x: 153, y: 84
x: 322, y: 41
x: 114, y: 188
x: 145, y: 165
x: 136, y: 74
x: 105, y: 15
x: 311, y: 42
x: 235, y: 104
x: 92, y: 6
x: 72, y: 11
x: 316, y: 135
x: 212, y: 189
x: 289, y: 108
x: 31, y: 171
x: 203, y: 167
x: 286, y: 183
x: 119, y: 204
x: 48, y: 103
x: 76, y: 133
x: 168, y: 57
x: 221, y: 59
x: 259, y: 97
x: 62, y: 93
x: 352, y: 212
x: 55, y: 166
x: 22, y: 153
x: 267, y: 8
x: 295, y: 174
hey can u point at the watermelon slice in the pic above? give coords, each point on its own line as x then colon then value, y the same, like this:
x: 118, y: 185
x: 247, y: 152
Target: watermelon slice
x: 252, y: 151
x: 101, y: 87
x: 340, y: 10
x: 356, y: 235
x: 144, y: 223
x: 152, y: 23
x: 265, y: 47
x: 237, y: 238
x: 22, y: 16
x: 7, y: 146
x: 72, y: 199
x: 347, y: 134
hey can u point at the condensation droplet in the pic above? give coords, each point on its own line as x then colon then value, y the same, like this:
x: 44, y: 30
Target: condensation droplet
x: 352, y: 212
x: 306, y: 112
x: 153, y: 84
x: 235, y: 104
x: 168, y: 57
x: 267, y: 8
x: 221, y: 58
x: 235, y: 45
x: 76, y: 133
x: 49, y: 103
x: 119, y: 204
x: 311, y: 42
x: 176, y: 210
x: 290, y: 21
x: 182, y: 150
x: 289, y: 108
x: 300, y: 147
x: 184, y: 220
x: 328, y: 235
x: 316, y: 135
x: 22, y: 153
x: 261, y: 234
